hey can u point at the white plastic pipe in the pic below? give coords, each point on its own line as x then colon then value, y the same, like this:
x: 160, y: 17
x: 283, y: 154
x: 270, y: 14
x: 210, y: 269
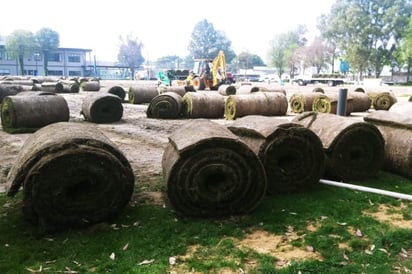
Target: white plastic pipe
x: 368, y: 189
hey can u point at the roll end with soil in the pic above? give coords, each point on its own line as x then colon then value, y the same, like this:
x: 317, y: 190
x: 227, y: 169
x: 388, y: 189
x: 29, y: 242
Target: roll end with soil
x: 167, y: 105
x: 209, y: 172
x: 72, y: 175
x: 102, y: 108
x: 293, y: 158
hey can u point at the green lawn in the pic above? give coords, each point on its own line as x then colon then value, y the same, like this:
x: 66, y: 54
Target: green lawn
x: 327, y: 230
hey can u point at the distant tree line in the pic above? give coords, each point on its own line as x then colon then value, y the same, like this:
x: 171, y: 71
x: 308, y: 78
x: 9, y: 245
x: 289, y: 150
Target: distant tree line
x: 367, y: 35
x: 23, y: 43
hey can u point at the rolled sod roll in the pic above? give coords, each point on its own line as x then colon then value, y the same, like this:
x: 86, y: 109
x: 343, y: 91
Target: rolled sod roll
x: 404, y: 108
x: 9, y: 89
x: 28, y: 113
x: 258, y: 103
x: 396, y: 128
x: 118, y: 91
x: 272, y: 88
x: 92, y: 85
x: 382, y: 100
x: 226, y: 90
x: 354, y: 149
x: 360, y: 101
x: 301, y: 102
x: 167, y: 105
x: 203, y: 104
x: 181, y: 90
x: 292, y: 155
x: 209, y: 172
x: 72, y: 175
x: 246, y: 89
x: 102, y: 107
x: 142, y: 94
x: 328, y: 103
x: 61, y: 87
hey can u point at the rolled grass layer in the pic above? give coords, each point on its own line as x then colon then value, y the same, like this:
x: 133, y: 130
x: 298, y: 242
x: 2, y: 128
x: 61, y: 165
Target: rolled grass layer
x: 258, y: 103
x: 203, y: 104
x: 167, y: 105
x: 382, y: 100
x: 301, y: 102
x: 28, y: 113
x: 226, y: 90
x: 396, y: 128
x: 328, y: 103
x: 361, y: 102
x: 181, y: 90
x: 354, y: 150
x: 102, y: 107
x: 72, y: 175
x: 292, y: 155
x: 90, y: 85
x: 142, y: 94
x: 9, y: 89
x: 118, y: 91
x: 209, y: 172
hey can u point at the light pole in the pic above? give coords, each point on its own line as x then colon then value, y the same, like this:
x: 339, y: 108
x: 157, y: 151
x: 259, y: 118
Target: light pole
x: 36, y: 56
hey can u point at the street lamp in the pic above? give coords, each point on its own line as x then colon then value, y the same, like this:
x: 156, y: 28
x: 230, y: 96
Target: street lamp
x: 36, y: 56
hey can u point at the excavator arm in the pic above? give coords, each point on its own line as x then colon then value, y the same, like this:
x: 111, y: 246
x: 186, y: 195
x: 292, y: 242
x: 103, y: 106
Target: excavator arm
x: 219, y: 68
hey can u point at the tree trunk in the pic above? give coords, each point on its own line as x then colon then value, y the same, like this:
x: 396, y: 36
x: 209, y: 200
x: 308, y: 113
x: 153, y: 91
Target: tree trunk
x: 409, y: 69
x: 45, y: 63
x: 21, y: 63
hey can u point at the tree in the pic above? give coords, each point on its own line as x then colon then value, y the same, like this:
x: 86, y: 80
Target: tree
x: 318, y: 53
x: 206, y: 42
x: 366, y: 30
x: 20, y: 44
x: 170, y: 62
x: 130, y: 53
x: 47, y: 40
x: 283, y: 49
x: 246, y: 60
x: 404, y: 52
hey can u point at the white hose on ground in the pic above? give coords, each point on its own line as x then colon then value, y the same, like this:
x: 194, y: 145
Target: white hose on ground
x: 368, y: 189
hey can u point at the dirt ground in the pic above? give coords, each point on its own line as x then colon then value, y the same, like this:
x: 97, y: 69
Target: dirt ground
x: 141, y: 139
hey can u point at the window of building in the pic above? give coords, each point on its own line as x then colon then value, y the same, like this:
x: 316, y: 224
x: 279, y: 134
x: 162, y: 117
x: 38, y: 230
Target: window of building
x: 55, y: 72
x: 75, y: 73
x: 74, y: 58
x: 54, y: 57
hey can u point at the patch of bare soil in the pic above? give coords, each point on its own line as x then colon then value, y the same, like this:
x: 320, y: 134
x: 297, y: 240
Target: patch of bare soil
x: 391, y: 215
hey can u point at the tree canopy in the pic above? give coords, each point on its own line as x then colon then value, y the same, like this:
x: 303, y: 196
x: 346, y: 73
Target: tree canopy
x: 366, y: 31
x: 206, y: 42
x: 47, y: 41
x: 20, y: 44
x: 130, y: 53
x: 283, y: 52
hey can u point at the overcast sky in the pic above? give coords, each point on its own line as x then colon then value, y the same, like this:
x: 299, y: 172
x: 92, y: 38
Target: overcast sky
x: 164, y: 26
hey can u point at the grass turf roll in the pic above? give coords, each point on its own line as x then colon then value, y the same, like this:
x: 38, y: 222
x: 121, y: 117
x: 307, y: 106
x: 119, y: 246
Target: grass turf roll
x: 354, y: 149
x: 328, y: 103
x: 102, y: 107
x: 292, y: 155
x: 117, y: 90
x: 301, y: 102
x: 382, y: 100
x: 140, y: 94
x: 257, y: 103
x: 72, y: 175
x: 203, y: 104
x: 28, y: 112
x: 209, y: 172
x: 396, y: 128
x: 167, y: 105
x: 9, y: 89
